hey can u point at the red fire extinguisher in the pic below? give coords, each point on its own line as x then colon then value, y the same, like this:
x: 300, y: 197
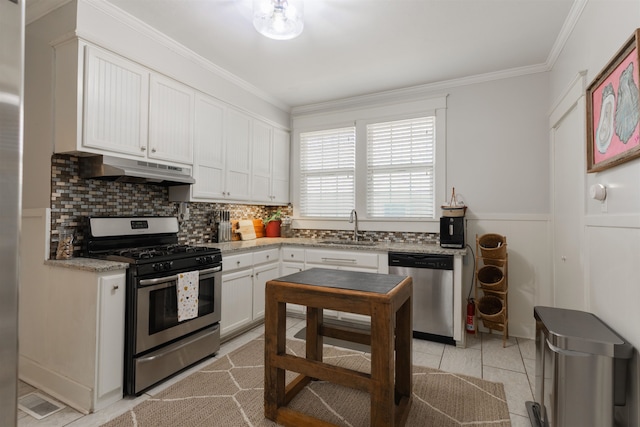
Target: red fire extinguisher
x: 471, y: 317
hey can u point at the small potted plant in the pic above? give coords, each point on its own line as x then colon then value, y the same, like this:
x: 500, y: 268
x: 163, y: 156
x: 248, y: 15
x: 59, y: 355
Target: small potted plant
x: 272, y: 224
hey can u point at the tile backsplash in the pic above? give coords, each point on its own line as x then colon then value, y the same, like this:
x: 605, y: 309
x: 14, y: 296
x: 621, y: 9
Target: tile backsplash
x: 74, y: 199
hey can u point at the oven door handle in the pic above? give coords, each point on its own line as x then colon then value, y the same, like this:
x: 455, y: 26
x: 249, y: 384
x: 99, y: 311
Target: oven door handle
x: 150, y: 282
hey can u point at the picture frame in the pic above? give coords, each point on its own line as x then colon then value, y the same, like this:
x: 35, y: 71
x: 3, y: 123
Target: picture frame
x: 613, y: 110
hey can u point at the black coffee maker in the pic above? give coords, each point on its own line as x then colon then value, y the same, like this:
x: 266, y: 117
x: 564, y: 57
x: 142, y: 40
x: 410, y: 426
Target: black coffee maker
x: 452, y: 232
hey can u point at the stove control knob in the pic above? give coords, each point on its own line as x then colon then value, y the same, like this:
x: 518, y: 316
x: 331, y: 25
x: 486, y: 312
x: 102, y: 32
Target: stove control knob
x: 157, y: 267
x: 167, y: 265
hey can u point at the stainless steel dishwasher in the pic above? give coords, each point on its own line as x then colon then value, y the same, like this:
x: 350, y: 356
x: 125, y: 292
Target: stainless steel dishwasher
x: 432, y: 293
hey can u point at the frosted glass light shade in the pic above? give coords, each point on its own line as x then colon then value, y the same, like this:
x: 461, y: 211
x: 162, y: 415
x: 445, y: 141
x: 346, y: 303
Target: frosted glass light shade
x: 278, y: 19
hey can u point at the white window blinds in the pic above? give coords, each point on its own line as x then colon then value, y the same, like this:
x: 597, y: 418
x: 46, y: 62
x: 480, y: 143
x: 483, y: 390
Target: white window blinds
x: 400, y: 169
x: 327, y: 167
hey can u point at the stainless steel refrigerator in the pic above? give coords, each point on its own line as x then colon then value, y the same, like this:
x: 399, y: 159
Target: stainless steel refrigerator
x: 11, y: 89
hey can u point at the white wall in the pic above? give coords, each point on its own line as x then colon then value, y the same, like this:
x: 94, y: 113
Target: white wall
x: 497, y: 158
x: 612, y: 239
x: 497, y: 145
x: 38, y: 121
x: 498, y: 161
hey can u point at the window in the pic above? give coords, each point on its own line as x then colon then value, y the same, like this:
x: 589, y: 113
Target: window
x: 383, y: 157
x: 327, y: 173
x: 400, y: 168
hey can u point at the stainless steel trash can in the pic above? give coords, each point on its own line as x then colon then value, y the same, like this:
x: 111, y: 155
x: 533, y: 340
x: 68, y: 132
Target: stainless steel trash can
x: 581, y: 369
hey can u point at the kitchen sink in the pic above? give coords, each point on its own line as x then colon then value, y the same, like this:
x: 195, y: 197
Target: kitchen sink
x: 347, y: 242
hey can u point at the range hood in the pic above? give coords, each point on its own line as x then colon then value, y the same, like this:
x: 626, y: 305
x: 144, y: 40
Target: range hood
x: 136, y: 171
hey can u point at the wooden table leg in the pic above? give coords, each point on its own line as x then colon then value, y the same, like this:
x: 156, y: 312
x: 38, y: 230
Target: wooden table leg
x: 403, y: 350
x: 382, y: 369
x: 314, y: 339
x: 275, y: 341
x: 403, y: 363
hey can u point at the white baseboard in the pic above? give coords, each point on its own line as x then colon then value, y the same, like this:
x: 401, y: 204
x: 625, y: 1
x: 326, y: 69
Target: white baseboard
x: 69, y: 392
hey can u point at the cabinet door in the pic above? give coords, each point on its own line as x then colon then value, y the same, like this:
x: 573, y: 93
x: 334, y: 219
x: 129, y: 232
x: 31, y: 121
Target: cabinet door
x: 170, y: 120
x: 208, y: 167
x: 261, y: 169
x: 280, y: 167
x: 116, y: 109
x: 238, y: 156
x: 237, y: 296
x: 111, y: 300
x: 261, y: 275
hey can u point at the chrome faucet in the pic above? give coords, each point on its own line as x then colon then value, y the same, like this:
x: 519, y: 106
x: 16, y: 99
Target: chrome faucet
x: 353, y: 219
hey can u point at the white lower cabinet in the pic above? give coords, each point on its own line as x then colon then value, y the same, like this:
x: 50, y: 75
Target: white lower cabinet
x: 243, y: 288
x: 72, y: 336
x: 261, y: 275
x: 111, y: 290
x: 237, y: 297
x: 293, y: 262
x: 343, y: 260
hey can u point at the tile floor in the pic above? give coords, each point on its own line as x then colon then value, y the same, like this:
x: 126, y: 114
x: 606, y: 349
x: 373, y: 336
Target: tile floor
x: 484, y: 357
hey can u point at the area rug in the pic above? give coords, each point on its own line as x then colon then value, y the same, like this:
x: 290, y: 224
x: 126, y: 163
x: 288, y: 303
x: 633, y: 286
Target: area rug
x: 229, y: 393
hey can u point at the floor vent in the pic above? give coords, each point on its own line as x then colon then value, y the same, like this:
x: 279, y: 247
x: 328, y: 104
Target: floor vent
x: 39, y: 406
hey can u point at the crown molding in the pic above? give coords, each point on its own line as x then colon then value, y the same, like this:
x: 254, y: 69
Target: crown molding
x: 565, y: 32
x: 413, y: 92
x: 38, y: 8
x: 150, y: 32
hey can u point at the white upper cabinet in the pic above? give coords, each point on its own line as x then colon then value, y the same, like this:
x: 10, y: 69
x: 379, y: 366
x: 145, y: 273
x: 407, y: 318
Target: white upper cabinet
x: 238, y: 156
x: 170, y: 120
x: 209, y: 148
x: 116, y: 103
x: 262, y: 162
x: 107, y: 104
x: 280, y: 167
x: 270, y: 178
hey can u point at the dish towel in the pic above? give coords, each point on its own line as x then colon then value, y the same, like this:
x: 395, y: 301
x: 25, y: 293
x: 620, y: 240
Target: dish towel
x: 188, y: 286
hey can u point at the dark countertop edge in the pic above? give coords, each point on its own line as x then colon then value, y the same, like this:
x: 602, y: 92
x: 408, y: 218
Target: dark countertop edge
x: 228, y: 248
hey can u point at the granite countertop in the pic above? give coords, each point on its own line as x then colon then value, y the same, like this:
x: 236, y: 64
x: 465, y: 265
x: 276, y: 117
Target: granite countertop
x: 88, y: 264
x: 267, y: 242
x: 229, y: 248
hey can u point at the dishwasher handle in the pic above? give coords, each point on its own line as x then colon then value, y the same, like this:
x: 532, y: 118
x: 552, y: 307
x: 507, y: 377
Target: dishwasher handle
x: 421, y: 260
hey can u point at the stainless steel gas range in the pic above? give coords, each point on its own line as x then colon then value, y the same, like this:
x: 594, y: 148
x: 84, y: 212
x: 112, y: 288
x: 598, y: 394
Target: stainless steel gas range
x: 159, y: 340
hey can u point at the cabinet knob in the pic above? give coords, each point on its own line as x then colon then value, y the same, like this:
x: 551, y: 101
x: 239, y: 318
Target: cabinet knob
x: 153, y: 150
x: 116, y: 287
x: 143, y: 148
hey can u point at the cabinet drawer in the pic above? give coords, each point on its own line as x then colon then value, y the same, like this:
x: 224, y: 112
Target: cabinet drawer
x: 342, y: 258
x: 261, y: 257
x: 235, y: 262
x: 292, y: 254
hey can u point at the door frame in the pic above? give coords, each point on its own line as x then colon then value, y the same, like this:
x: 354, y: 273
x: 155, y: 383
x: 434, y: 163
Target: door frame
x: 572, y: 99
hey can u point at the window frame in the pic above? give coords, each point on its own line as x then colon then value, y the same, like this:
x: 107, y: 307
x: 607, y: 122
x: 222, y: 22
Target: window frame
x: 360, y: 117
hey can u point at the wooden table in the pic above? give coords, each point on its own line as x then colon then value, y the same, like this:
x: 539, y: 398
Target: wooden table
x: 386, y: 298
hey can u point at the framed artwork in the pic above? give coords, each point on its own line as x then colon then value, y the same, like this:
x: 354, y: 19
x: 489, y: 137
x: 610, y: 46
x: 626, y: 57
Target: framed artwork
x: 613, y: 110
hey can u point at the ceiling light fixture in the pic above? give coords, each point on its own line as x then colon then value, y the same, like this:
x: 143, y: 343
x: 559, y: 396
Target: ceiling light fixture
x: 278, y: 19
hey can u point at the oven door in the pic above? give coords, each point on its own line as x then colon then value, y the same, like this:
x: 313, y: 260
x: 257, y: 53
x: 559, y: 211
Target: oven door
x: 157, y: 309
